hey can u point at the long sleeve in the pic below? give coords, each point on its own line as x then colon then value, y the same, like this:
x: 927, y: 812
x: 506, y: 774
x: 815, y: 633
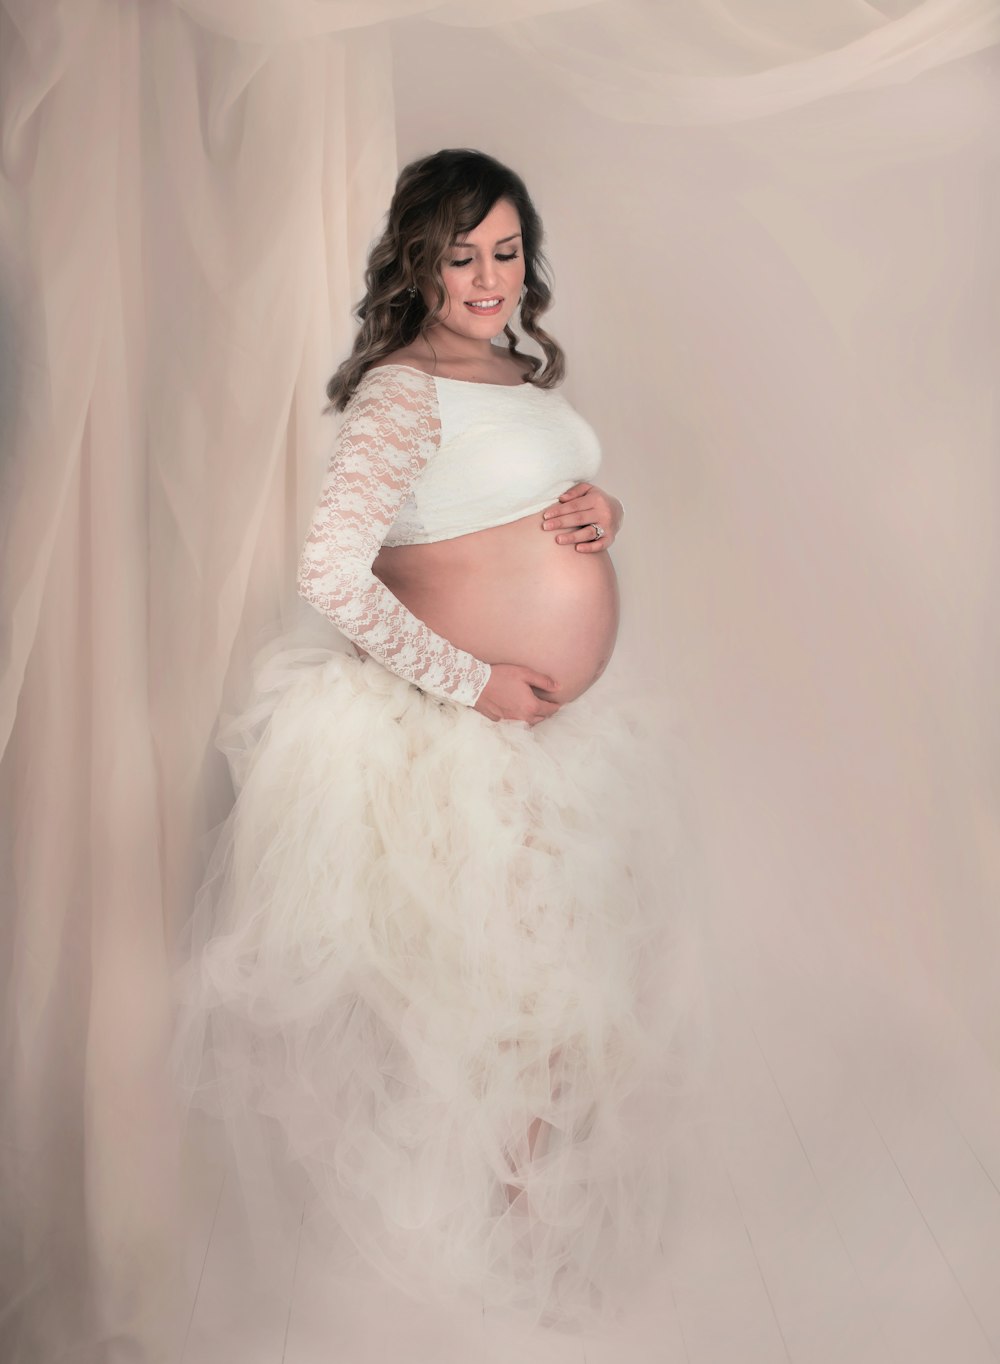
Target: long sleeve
x: 390, y: 430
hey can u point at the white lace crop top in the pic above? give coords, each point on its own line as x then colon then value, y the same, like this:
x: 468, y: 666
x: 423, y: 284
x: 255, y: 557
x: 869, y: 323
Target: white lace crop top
x: 418, y: 459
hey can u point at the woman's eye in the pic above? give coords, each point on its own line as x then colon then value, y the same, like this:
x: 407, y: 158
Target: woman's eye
x: 499, y: 254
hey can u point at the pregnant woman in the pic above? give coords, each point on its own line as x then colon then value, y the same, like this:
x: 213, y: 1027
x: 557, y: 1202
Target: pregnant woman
x: 433, y: 939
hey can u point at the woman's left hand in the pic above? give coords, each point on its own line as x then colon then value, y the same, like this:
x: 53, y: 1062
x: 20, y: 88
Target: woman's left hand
x: 576, y: 513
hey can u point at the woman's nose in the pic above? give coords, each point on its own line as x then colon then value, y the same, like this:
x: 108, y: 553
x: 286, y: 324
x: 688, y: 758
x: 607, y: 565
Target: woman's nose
x: 486, y: 274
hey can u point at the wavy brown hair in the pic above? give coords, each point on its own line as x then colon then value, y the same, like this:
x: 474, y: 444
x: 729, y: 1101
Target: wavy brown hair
x: 437, y: 199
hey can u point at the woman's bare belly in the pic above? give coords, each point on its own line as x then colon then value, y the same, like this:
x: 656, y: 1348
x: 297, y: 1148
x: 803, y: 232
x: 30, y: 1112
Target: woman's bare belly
x: 510, y: 594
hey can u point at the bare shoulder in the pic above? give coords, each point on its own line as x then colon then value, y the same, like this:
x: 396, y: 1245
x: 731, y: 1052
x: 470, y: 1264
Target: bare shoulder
x: 522, y: 365
x: 406, y: 357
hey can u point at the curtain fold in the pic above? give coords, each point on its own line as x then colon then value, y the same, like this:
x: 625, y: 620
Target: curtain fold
x: 639, y: 62
x: 185, y: 219
x: 269, y: 174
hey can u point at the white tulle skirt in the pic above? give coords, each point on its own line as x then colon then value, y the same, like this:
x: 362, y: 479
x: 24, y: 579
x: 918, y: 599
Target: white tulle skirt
x: 443, y: 964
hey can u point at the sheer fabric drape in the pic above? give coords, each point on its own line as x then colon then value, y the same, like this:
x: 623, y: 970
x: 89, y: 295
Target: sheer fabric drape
x: 186, y: 216
x: 188, y: 192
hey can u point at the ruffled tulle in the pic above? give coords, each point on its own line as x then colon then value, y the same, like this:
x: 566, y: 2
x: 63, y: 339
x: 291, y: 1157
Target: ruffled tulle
x: 446, y: 962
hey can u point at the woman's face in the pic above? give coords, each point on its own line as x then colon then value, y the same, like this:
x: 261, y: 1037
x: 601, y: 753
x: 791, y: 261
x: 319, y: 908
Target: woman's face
x: 483, y: 273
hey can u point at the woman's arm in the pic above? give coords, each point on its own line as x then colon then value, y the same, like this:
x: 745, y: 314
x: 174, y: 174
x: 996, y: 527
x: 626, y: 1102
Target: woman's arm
x: 390, y: 430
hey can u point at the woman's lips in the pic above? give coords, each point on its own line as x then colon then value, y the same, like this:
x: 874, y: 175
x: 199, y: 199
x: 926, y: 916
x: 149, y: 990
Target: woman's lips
x: 495, y: 304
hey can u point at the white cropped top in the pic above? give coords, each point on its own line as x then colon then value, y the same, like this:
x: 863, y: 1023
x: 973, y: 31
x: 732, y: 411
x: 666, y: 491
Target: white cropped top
x: 419, y: 459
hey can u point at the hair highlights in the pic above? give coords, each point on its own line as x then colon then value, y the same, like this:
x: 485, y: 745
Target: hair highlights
x: 438, y: 198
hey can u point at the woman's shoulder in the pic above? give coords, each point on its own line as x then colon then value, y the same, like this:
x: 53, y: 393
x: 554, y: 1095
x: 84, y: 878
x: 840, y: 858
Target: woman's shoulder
x: 403, y: 357
x: 395, y: 376
x: 398, y: 359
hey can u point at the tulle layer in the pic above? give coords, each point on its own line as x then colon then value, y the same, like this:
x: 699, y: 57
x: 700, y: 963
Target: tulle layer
x: 442, y: 958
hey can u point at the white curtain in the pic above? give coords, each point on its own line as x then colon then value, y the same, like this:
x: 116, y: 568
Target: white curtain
x: 188, y: 192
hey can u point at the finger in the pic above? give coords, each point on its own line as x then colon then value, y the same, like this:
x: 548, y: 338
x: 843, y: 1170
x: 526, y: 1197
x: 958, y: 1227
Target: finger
x: 541, y: 680
x: 568, y: 514
x: 582, y: 533
x: 576, y: 517
x: 595, y: 546
x: 576, y: 491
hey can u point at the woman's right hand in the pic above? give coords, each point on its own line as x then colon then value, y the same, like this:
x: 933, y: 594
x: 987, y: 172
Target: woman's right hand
x: 512, y: 694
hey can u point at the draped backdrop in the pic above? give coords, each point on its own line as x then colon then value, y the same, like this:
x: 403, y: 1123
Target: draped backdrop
x: 773, y: 226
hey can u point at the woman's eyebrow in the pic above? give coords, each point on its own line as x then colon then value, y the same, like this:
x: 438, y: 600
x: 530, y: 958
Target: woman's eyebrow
x: 499, y: 242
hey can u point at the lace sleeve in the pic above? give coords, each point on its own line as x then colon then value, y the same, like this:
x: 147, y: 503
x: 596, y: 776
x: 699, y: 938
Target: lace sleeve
x: 390, y: 430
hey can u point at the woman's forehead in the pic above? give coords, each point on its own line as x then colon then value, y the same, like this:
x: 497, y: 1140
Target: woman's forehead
x: 501, y: 223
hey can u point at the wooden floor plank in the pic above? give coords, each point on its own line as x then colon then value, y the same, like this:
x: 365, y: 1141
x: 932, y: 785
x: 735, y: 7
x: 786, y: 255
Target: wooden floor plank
x: 242, y: 1307
x: 878, y: 1144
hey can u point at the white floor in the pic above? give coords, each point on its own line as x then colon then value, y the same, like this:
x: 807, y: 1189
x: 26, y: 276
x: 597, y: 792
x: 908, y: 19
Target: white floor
x: 847, y: 1211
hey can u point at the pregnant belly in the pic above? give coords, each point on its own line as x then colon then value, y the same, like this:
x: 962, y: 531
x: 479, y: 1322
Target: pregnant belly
x: 510, y: 594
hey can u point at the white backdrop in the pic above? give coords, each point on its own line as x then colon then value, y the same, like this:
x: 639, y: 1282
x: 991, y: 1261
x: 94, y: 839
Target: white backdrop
x: 786, y: 332
x: 771, y: 227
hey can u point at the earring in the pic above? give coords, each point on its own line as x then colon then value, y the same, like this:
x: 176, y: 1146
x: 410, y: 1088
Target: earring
x: 412, y: 291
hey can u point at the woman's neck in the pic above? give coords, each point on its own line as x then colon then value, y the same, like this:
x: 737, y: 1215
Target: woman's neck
x: 438, y: 345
